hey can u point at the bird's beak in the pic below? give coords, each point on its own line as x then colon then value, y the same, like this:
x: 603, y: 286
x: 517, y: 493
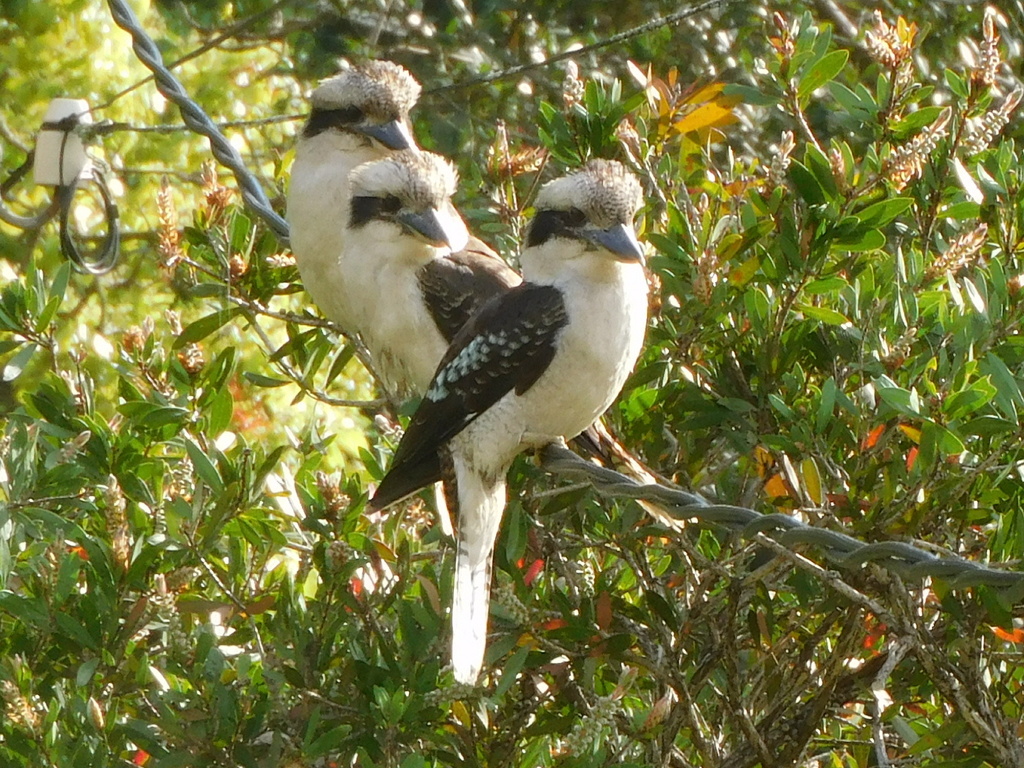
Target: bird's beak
x: 393, y: 135
x: 620, y: 239
x: 439, y: 228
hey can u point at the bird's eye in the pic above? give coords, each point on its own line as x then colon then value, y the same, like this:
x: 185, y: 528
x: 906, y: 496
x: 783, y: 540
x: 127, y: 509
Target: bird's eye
x: 324, y: 118
x: 390, y: 204
x: 574, y: 217
x: 348, y: 115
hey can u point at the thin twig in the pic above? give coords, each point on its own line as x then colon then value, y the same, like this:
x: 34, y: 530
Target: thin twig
x: 629, y: 34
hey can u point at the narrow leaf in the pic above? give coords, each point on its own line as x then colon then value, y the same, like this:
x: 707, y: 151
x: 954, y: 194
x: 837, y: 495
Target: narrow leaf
x: 824, y: 70
x: 204, y: 326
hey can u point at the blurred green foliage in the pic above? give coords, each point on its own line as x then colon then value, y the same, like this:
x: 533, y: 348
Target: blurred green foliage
x: 187, y: 575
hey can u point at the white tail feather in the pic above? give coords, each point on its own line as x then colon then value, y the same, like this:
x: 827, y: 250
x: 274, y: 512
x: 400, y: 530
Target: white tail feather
x: 481, y: 503
x: 443, y: 513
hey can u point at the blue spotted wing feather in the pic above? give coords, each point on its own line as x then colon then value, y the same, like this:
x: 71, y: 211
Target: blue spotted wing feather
x: 505, y: 347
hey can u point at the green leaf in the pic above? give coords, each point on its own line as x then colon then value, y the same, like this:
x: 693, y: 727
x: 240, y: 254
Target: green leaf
x: 964, y: 210
x: 936, y: 441
x: 806, y: 184
x: 204, y: 467
x: 915, y: 120
x: 43, y: 321
x: 72, y: 628
x: 67, y: 577
x: 757, y: 305
x: 902, y: 400
x: 987, y: 426
x: 824, y: 70
x: 881, y: 213
x: 340, y: 361
x: 204, y: 326
x: 820, y: 166
x: 861, y: 105
x: 510, y: 672
x: 16, y: 365
x: 328, y: 742
x: 59, y: 286
x: 27, y: 610
x: 515, y: 533
x: 260, y: 380
x: 825, y: 285
x: 757, y: 96
x: 869, y: 240
x: 1008, y: 397
x: 153, y: 416
x: 826, y: 405
x: 823, y: 314
x: 414, y: 761
x: 86, y: 672
x: 219, y: 412
x: 779, y: 405
x: 969, y: 400
x: 956, y: 84
x: 241, y: 231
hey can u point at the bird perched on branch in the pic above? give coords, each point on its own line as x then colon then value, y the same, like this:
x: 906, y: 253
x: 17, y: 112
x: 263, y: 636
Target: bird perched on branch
x: 360, y: 116
x: 535, y: 364
x: 357, y: 116
x: 419, y: 287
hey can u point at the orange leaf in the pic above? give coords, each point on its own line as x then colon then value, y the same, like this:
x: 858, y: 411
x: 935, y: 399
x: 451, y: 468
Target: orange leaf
x: 533, y: 571
x: 911, y: 458
x: 776, y: 487
x: 554, y: 624
x: 871, y: 440
x: 1010, y: 636
x: 905, y: 32
x: 763, y: 459
x: 658, y: 712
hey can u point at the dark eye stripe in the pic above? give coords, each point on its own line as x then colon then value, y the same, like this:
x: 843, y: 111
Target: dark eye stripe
x: 365, y: 209
x: 551, y: 223
x: 321, y: 120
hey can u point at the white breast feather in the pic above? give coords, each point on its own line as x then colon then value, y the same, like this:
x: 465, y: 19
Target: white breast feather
x: 318, y: 209
x: 607, y: 310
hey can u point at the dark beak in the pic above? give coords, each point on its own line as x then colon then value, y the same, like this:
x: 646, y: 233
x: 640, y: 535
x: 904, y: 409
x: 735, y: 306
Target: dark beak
x: 393, y: 135
x: 619, y: 239
x: 427, y: 225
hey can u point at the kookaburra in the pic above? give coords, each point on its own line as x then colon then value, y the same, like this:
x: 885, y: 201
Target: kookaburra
x: 535, y: 364
x: 360, y: 116
x: 357, y: 116
x: 418, y: 286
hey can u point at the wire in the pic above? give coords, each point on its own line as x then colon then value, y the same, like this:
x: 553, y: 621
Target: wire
x: 101, y: 260
x: 23, y: 222
x: 196, y: 119
x: 845, y: 551
x: 208, y: 46
x: 105, y: 257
